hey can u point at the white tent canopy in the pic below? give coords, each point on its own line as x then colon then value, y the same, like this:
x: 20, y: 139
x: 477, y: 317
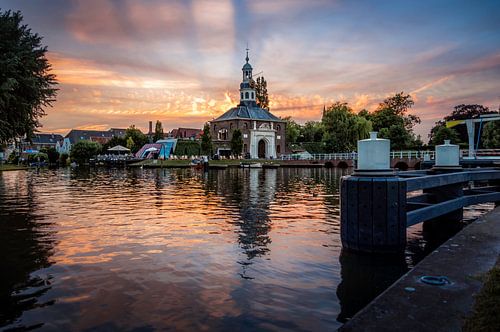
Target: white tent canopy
x: 119, y: 148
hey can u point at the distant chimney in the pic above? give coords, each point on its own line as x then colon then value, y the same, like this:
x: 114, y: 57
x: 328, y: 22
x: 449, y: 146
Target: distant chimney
x: 150, y: 127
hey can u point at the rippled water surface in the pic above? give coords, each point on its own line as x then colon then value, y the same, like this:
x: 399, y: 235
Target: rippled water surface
x: 239, y: 249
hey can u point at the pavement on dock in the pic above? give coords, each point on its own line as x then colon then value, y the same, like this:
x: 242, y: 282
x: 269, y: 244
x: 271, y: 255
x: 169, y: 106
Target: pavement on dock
x: 411, y: 305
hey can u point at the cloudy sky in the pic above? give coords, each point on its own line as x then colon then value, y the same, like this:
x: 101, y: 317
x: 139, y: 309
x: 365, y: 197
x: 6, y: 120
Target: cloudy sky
x: 128, y: 62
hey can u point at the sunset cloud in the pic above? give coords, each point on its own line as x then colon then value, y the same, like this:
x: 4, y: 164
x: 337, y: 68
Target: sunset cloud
x: 129, y: 62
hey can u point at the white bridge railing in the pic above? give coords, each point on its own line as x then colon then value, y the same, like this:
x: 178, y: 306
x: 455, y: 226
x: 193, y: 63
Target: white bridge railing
x: 424, y: 155
x: 413, y: 154
x: 410, y: 154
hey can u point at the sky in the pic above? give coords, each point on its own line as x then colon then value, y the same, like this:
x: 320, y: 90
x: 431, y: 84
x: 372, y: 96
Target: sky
x: 130, y: 62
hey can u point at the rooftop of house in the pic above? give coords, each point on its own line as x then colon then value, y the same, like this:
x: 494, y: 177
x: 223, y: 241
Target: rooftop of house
x: 248, y: 110
x: 42, y: 138
x: 185, y: 132
x: 76, y: 135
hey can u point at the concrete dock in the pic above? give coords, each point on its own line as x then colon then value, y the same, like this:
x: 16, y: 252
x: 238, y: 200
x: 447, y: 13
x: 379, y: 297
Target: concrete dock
x: 411, y: 305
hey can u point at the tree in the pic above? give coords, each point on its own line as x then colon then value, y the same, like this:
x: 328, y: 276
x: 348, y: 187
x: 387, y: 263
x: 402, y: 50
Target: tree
x: 491, y: 135
x: 395, y: 109
x: 392, y: 120
x: 52, y: 154
x: 343, y: 128
x: 400, y: 138
x: 131, y: 144
x: 237, y: 142
x: 312, y: 131
x: 206, y: 140
x: 361, y: 128
x: 261, y: 94
x: 26, y: 86
x: 158, y: 131
x: 292, y: 131
x: 83, y: 150
x: 114, y: 141
x: 137, y: 136
x: 443, y: 133
x: 463, y: 111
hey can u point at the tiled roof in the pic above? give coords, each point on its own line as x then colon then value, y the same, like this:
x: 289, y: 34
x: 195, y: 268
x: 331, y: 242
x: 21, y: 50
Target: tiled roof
x: 76, y: 135
x: 46, y: 138
x: 248, y: 110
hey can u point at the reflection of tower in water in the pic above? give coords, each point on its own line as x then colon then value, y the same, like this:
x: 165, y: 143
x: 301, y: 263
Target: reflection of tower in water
x: 254, y: 211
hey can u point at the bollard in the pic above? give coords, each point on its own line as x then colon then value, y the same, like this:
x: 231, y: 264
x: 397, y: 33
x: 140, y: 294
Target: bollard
x: 447, y: 161
x: 373, y: 202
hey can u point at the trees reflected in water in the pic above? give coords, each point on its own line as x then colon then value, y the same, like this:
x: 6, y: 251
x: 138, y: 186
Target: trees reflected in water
x: 26, y: 244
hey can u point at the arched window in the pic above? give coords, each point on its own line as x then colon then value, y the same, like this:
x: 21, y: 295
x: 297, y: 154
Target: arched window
x: 278, y: 148
x: 278, y: 127
x: 246, y: 95
x: 230, y: 126
x: 242, y: 95
x: 245, y: 125
x: 253, y: 96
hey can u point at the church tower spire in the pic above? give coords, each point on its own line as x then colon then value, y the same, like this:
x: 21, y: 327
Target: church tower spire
x: 247, y: 91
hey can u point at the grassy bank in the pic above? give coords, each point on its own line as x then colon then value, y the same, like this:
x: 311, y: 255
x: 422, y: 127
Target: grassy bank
x: 11, y: 167
x: 486, y: 314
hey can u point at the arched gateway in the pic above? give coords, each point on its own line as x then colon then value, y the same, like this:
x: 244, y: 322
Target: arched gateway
x: 262, y: 149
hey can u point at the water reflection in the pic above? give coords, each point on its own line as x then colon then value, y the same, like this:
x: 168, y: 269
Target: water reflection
x: 26, y: 244
x: 238, y: 249
x: 364, y: 277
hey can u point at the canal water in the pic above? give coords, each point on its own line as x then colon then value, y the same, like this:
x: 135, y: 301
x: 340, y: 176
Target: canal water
x: 177, y: 249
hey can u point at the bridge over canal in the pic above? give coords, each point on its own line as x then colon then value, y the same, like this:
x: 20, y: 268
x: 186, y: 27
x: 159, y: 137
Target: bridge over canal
x: 402, y: 160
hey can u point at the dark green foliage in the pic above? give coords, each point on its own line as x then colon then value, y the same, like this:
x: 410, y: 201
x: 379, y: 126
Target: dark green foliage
x: 400, y: 138
x: 261, y: 94
x: 187, y: 148
x: 206, y: 141
x: 84, y: 150
x: 158, y: 131
x: 63, y: 159
x: 292, y: 130
x: 463, y: 112
x: 491, y: 135
x: 237, y: 143
x: 38, y: 157
x: 393, y: 121
x: 486, y: 311
x: 443, y: 133
x: 26, y: 86
x: 314, y: 147
x: 312, y: 131
x: 114, y: 141
x: 52, y: 154
x: 138, y: 138
x: 13, y: 158
x: 343, y: 128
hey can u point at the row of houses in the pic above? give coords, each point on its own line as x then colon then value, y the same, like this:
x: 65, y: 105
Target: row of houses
x: 63, y: 143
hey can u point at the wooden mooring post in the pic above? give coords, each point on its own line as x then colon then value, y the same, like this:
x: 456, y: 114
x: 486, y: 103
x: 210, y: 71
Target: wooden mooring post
x: 376, y: 208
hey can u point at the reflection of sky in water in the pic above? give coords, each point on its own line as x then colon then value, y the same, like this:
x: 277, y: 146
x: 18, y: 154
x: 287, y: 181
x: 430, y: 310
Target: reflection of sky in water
x: 236, y: 249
